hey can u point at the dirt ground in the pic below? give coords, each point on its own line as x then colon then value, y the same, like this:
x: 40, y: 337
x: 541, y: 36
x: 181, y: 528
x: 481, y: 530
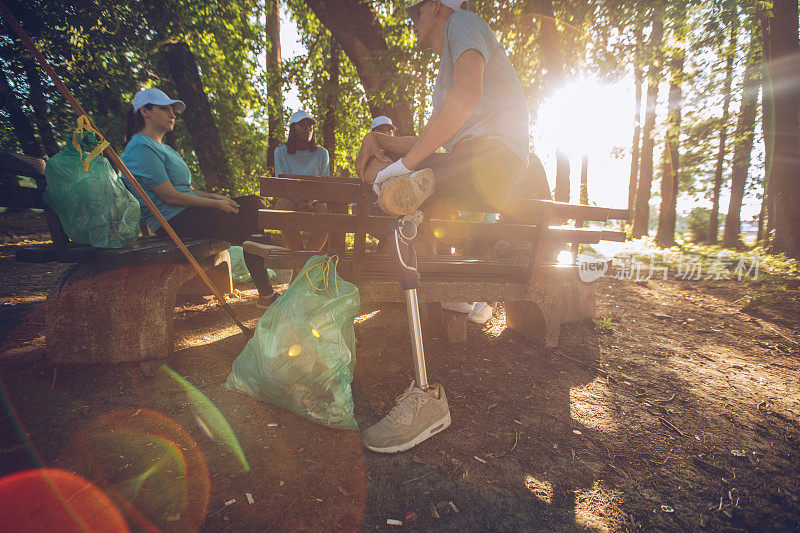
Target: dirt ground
x: 685, y: 417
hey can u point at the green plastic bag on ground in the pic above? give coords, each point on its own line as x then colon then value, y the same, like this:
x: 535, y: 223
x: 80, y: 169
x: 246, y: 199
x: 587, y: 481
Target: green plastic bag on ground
x: 239, y: 270
x: 91, y: 201
x: 302, y: 354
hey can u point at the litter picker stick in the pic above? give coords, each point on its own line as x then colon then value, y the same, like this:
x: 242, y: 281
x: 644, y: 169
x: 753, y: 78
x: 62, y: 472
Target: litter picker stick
x: 112, y: 155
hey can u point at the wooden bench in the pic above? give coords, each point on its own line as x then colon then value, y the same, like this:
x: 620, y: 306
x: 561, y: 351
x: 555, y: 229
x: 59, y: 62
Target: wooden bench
x: 540, y: 293
x: 112, y: 305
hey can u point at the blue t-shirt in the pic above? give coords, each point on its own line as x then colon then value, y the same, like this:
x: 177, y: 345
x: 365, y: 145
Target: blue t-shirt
x: 152, y: 164
x: 302, y: 162
x: 502, y: 112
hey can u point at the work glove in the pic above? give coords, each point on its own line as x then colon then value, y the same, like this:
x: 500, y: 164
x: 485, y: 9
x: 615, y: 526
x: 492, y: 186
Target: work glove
x: 395, y: 169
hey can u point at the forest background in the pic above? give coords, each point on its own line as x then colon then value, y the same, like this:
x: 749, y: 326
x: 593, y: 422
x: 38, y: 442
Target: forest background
x: 684, y: 111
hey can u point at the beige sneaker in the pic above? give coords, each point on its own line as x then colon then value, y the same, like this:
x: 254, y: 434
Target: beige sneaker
x: 402, y: 195
x: 415, y: 418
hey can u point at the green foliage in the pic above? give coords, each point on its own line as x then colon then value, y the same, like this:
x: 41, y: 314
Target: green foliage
x: 605, y: 325
x: 698, y: 224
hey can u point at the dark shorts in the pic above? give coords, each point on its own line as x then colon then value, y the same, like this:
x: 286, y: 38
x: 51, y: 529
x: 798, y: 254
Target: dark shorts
x: 476, y: 175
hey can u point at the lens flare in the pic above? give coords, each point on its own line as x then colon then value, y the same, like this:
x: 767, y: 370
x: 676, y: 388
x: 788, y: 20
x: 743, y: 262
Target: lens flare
x: 49, y: 499
x: 295, y: 350
x: 213, y: 420
x: 147, y: 464
x: 315, y: 332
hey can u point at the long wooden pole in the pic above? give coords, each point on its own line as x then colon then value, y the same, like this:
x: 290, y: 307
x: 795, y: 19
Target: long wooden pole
x: 112, y: 155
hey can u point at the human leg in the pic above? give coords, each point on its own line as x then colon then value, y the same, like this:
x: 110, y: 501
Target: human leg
x: 294, y: 241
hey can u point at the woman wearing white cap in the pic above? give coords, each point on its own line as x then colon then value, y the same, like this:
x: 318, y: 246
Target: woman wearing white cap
x: 301, y: 156
x: 167, y: 180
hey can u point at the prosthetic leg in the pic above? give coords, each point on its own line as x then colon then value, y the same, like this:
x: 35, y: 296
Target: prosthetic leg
x: 404, y: 262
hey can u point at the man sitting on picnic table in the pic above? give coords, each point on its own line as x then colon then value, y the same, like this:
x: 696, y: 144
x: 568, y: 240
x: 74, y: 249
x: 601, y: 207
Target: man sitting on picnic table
x: 480, y: 116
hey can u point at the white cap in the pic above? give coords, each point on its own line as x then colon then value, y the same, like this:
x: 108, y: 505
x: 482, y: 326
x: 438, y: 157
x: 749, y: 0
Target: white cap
x: 455, y: 5
x: 380, y: 121
x: 157, y: 97
x: 300, y: 115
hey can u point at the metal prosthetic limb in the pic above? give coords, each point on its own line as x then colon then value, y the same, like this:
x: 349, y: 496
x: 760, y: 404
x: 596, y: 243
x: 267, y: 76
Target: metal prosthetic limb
x: 404, y: 261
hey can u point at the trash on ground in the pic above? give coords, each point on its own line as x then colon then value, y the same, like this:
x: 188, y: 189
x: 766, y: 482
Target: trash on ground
x: 249, y: 498
x: 229, y: 502
x: 393, y: 522
x: 453, y: 507
x: 411, y: 517
x: 478, y: 459
x: 302, y: 354
x: 667, y: 509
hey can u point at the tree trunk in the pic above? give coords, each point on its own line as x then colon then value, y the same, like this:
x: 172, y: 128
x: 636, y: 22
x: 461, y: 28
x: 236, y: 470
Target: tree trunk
x: 584, y: 179
x: 198, y: 116
x: 273, y: 66
x: 637, y: 132
x: 784, y: 177
x: 713, y: 219
x: 665, y: 235
x: 549, y: 42
x: 766, y: 217
x: 23, y: 128
x: 641, y: 217
x: 355, y: 26
x: 41, y: 113
x: 331, y: 97
x: 742, y: 148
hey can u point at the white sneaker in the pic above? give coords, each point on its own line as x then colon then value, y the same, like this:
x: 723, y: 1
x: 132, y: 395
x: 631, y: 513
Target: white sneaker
x: 458, y: 307
x: 481, y: 313
x: 416, y: 417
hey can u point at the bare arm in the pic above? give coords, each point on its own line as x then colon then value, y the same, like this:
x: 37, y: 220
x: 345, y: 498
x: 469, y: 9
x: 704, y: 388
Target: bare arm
x: 167, y: 192
x: 456, y: 109
x: 376, y: 144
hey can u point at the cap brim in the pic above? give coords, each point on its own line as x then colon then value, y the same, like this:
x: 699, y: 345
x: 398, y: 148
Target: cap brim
x: 178, y: 105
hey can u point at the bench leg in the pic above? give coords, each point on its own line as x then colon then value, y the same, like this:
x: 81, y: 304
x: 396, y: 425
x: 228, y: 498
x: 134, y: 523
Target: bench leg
x: 96, y: 314
x: 218, y: 271
x: 455, y: 326
x: 552, y: 304
x: 529, y: 319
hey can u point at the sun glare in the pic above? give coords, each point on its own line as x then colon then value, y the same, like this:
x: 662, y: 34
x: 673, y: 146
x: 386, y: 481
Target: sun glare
x: 592, y: 118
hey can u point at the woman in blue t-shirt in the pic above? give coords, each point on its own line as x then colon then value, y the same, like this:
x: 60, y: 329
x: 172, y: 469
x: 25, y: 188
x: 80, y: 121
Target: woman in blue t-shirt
x: 301, y: 156
x: 167, y: 180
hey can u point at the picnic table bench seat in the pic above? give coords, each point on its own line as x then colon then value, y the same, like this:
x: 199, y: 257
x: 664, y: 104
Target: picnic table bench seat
x: 111, y: 305
x: 539, y: 292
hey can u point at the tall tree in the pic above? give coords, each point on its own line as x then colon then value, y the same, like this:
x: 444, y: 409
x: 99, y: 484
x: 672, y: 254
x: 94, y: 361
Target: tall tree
x: 355, y: 25
x: 20, y: 121
x: 641, y: 217
x: 274, y: 89
x: 730, y: 54
x: 331, y: 97
x: 584, y: 195
x: 549, y: 43
x: 38, y: 102
x: 781, y: 43
x: 638, y: 74
x: 665, y: 235
x: 743, y: 146
x: 198, y: 115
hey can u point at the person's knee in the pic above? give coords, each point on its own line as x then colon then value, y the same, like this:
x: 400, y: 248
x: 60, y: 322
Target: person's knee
x: 373, y: 167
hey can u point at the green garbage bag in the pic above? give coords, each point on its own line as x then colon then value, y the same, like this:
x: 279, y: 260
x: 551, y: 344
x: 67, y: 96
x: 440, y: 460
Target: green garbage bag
x: 88, y: 196
x: 302, y: 354
x: 239, y: 270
